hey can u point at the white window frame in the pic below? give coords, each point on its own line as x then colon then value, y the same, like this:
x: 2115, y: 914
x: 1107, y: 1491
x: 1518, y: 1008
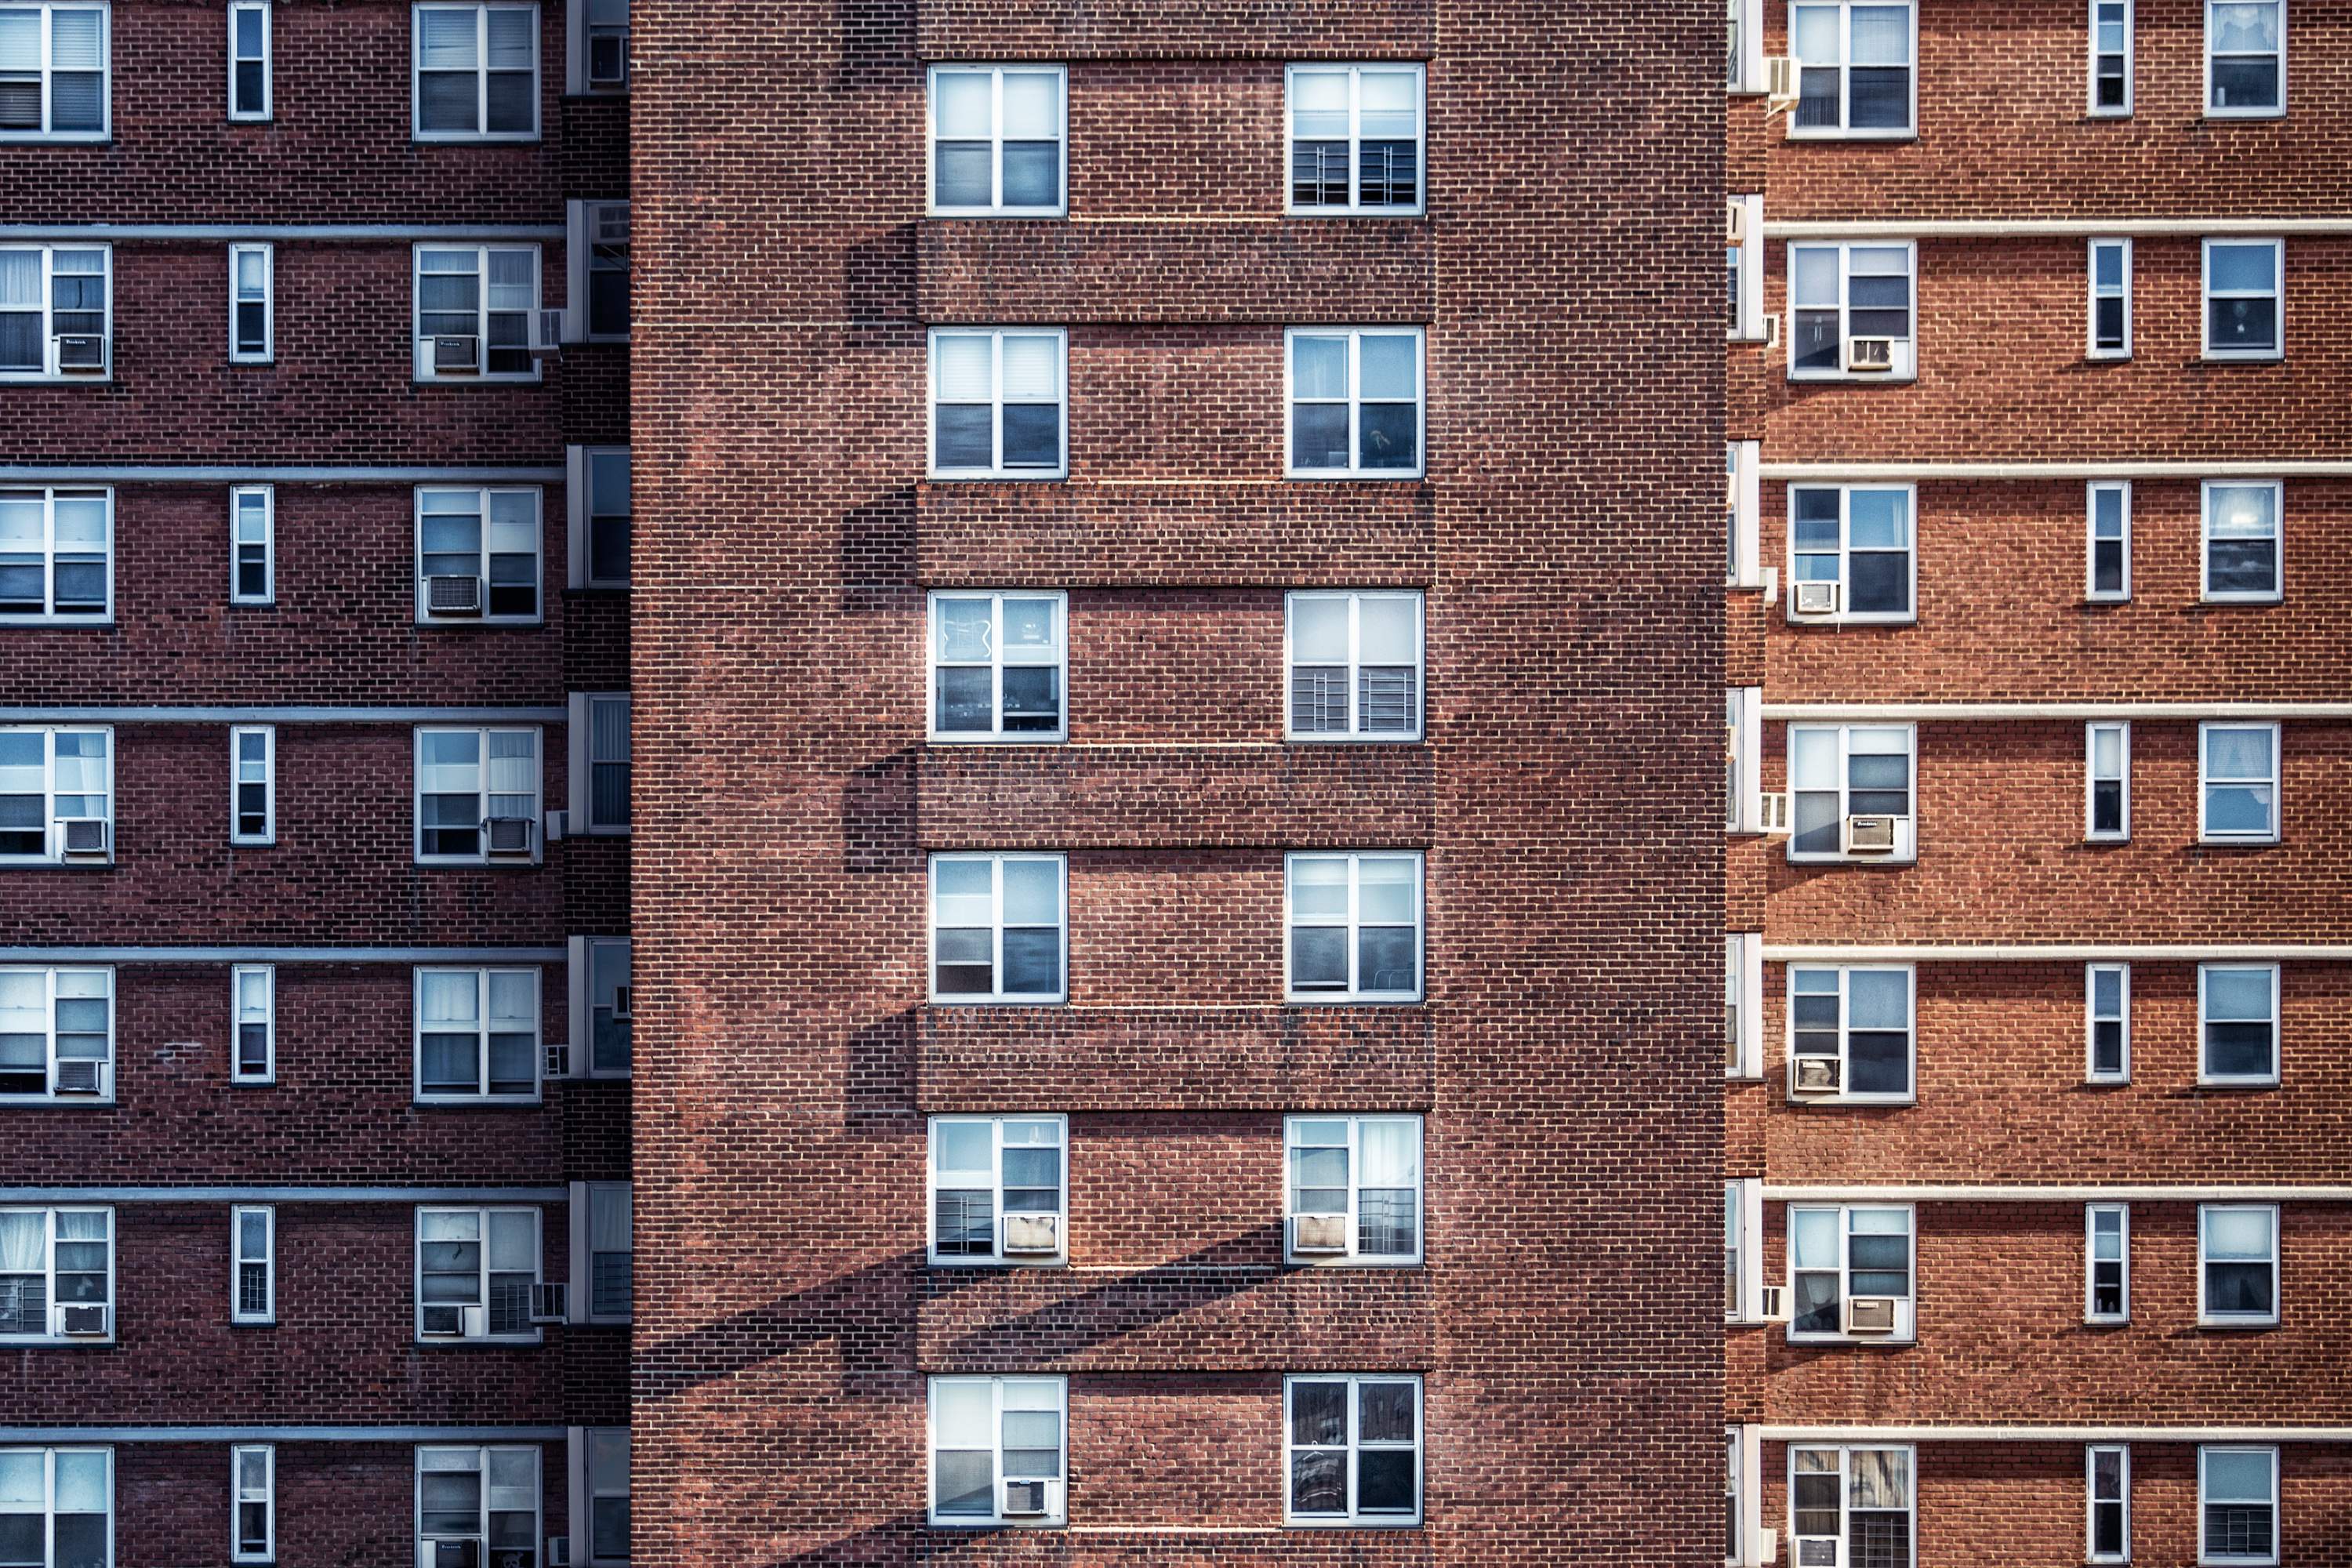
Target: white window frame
x: 107, y: 1063
x: 1744, y: 1002
x: 421, y: 342
x: 2092, y: 1501
x: 2091, y: 1260
x: 1355, y: 1255
x: 269, y: 781
x: 1743, y: 773
x: 581, y: 1226
x: 1743, y: 1220
x: 239, y: 1261
x: 48, y: 495
x: 996, y: 1257
x: 2206, y: 834
x: 581, y: 977
x: 105, y: 132
x: 481, y: 1467
x: 1748, y: 1540
x: 538, y: 814
x: 50, y: 371
x: 481, y: 8
x: 1904, y: 361
x: 2209, y: 1318
x: 581, y: 514
x: 579, y: 1467
x: 49, y: 1277
x: 1845, y: 973
x: 1845, y: 1452
x: 482, y: 1213
x: 581, y: 820
x: 239, y: 1495
x: 1906, y: 829
x: 2205, y: 589
x: 55, y: 842
x: 1355, y: 206
x: 1354, y: 402
x: 1744, y: 513
x: 1355, y: 733
x: 1906, y: 1306
x: 269, y: 254
x: 1744, y: 75
x: 999, y: 995
x: 1352, y: 1517
x: 933, y: 662
x: 238, y: 974
x: 1748, y: 269
x: 2131, y: 26
x: 2277, y: 296
x: 1842, y: 131
x: 2206, y: 1555
x: 482, y: 1032
x: 583, y: 230
x: 997, y: 468
x: 2276, y: 112
x: 1057, y: 1490
x: 1845, y: 616
x: 2097, y: 291
x: 47, y: 1511
x: 578, y: 45
x: 2092, y: 491
x: 2092, y: 1019
x: 1355, y: 994
x: 260, y: 9
x: 2092, y: 730
x: 268, y: 513
x: 2278, y: 1031
x: 996, y: 73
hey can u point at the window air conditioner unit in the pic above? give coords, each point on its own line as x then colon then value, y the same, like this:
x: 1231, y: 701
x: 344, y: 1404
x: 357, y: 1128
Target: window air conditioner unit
x: 1774, y: 1306
x: 81, y: 353
x: 450, y: 1554
x: 1779, y: 82
x: 1870, y: 835
x: 510, y: 835
x: 1736, y: 230
x: 79, y: 1319
x: 81, y: 1077
x: 1319, y: 1233
x: 1816, y: 1075
x: 453, y: 595
x: 624, y: 1003
x: 1816, y: 1552
x: 83, y: 836
x: 1870, y: 1314
x: 457, y: 354
x: 1031, y: 1234
x: 1872, y: 356
x: 559, y: 1551
x: 1772, y: 812
x: 1024, y: 1498
x: 456, y: 1322
x: 558, y: 1060
x: 1813, y: 598
x: 550, y: 1303
x: 608, y: 59
x: 547, y: 332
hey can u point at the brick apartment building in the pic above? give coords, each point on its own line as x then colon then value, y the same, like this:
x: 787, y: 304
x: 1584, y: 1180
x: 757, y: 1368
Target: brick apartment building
x: 2040, y: 885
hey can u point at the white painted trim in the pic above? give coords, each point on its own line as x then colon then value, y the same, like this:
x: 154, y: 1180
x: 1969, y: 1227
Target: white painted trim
x: 2050, y: 227
x: 1774, y: 1433
x: 1977, y: 1192
x: 1979, y: 713
x: 255, y: 1196
x: 207, y: 955
x: 66, y: 1436
x: 312, y: 474
x: 283, y: 715
x: 300, y: 233
x: 2219, y: 468
x: 2060, y: 952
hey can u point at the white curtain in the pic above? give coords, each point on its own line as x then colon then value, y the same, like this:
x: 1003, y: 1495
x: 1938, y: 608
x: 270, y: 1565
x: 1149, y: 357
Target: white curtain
x: 23, y: 1243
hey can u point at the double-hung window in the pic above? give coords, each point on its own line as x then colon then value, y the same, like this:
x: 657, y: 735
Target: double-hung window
x: 598, y: 31
x: 1355, y: 139
x: 597, y: 498
x: 1851, y: 1507
x: 476, y: 1034
x: 2106, y: 1261
x: 57, y: 1034
x: 597, y: 248
x: 2106, y: 782
x: 249, y: 59
x: 253, y: 1504
x: 474, y: 1270
x: 253, y: 1264
x: 997, y: 135
x: 600, y: 763
x: 57, y: 1506
x: 56, y: 308
x: 2238, y: 1023
x: 476, y: 72
x: 998, y: 928
x: 2107, y: 1014
x: 1851, y: 783
x: 2237, y: 1264
x: 998, y: 1190
x: 1355, y: 925
x: 1743, y: 730
x: 53, y: 70
x: 1355, y: 666
x: 2107, y: 560
x: 251, y: 328
x: 478, y: 797
x: 252, y: 544
x: 2236, y: 1505
x: 996, y: 1450
x: 1354, y: 1190
x: 2241, y: 538
x: 999, y: 403
x: 253, y: 785
x: 1355, y: 395
x: 253, y: 1044
x: 1743, y: 268
x: 2106, y: 1477
x: 57, y: 795
x: 479, y: 1506
x: 1851, y: 1270
x: 1744, y: 55
x: 604, y: 1252
x: 603, y: 1006
x: 1743, y: 514
x: 2238, y: 783
x: 1850, y: 312
x: 2111, y: 56
x: 1353, y: 1445
x: 2244, y: 299
x: 57, y: 1279
x: 1743, y: 1004
x: 2110, y: 275
x: 2245, y: 59
x: 57, y: 552
x: 1850, y: 550
x: 1000, y: 662
x: 474, y: 310
x: 1850, y: 1032
x: 1854, y: 75
x: 605, y: 1483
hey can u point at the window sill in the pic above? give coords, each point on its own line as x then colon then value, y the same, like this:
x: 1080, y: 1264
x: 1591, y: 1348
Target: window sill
x: 2226, y: 115
x: 57, y: 1342
x: 475, y: 1102
x: 428, y: 863
x: 2239, y: 601
x: 487, y: 1342
x: 57, y: 1102
x: 59, y: 623
x: 1909, y: 133
x: 939, y: 1001
x: 1352, y: 999
x: 1351, y: 1524
x: 1338, y: 476
x: 961, y: 477
x: 2105, y: 840
x: 2257, y: 1083
x: 2108, y: 356
x: 1020, y: 214
x: 472, y: 138
x: 2207, y: 841
x: 463, y: 623
x: 1862, y: 1101
x: 2237, y: 1325
x: 252, y: 1322
x: 1863, y: 1341
x: 1832, y: 623
x: 253, y: 1083
x: 1847, y: 378
x: 1374, y: 213
x: 976, y: 740
x: 997, y: 1265
x: 1395, y: 1265
x: 2105, y: 1323
x: 1864, y: 860
x: 56, y: 138
x: 503, y: 378
x: 2097, y: 601
x: 1414, y: 739
x: 2223, y: 356
x: 45, y: 864
x: 17, y: 379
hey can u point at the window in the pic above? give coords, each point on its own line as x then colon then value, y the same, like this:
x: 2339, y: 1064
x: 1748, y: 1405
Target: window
x: 253, y: 785
x: 253, y: 1512
x: 56, y: 1274
x: 1857, y: 539
x: 2111, y: 56
x: 2238, y: 1023
x: 56, y: 796
x: 998, y: 410
x: 1854, y: 69
x: 1850, y: 312
x: 1355, y: 666
x: 1743, y: 726
x: 600, y: 763
x: 57, y: 1033
x: 253, y: 994
x: 1354, y: 1450
x: 478, y: 797
x: 2107, y: 1481
x: 2241, y: 541
x: 252, y: 544
x: 1743, y: 267
x: 253, y: 1264
x: 1743, y: 514
x: 2242, y: 294
x: 2106, y: 1286
x: 2245, y: 58
x: 2107, y: 1005
x: 1850, y: 1033
x: 56, y: 550
x: 598, y: 250
x: 2107, y: 799
x: 1735, y: 1255
x: 998, y: 928
x: 603, y: 1004
x: 599, y: 35
x: 1743, y: 63
x: 2110, y: 286
x: 477, y: 73
x: 1852, y: 1507
x: 1851, y: 1268
x: 250, y: 327
x: 996, y: 1448
x: 474, y: 305
x: 474, y: 1270
x: 1735, y: 1549
x: 603, y: 1256
x: 56, y: 1506
x: 1355, y: 1189
x: 54, y: 304
x: 249, y: 59
x: 1355, y: 402
x: 1355, y: 139
x: 606, y: 1462
x: 997, y: 1190
x: 476, y: 1034
x: 1355, y: 927
x: 598, y: 496
x: 2237, y: 1264
x: 1743, y: 1004
x: 2236, y: 1505
x: 482, y: 1504
x: 2238, y: 784
x: 999, y: 664
x: 997, y: 133
x: 53, y: 73
x: 2108, y: 562
x: 1841, y: 771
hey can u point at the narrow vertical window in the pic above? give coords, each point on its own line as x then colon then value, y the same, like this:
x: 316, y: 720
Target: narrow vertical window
x: 600, y: 763
x: 599, y: 505
x: 2111, y: 57
x: 997, y: 133
x: 1355, y: 402
x: 1355, y: 666
x: 2108, y: 561
x: 2243, y: 298
x: 2108, y: 766
x: 2107, y: 1261
x: 611, y: 1252
x: 2238, y: 1020
x: 603, y: 1006
x: 1743, y: 513
x: 253, y: 785
x: 253, y: 1284
x: 2236, y: 1506
x: 1355, y: 139
x: 253, y: 544
x: 1734, y: 1548
x: 251, y: 327
x: 998, y: 404
x: 1743, y: 1004
x: 253, y: 1523
x: 600, y: 32
x: 2241, y: 560
x: 1354, y: 1450
x: 608, y: 1496
x: 2110, y: 296
x: 249, y: 59
x: 2107, y: 1003
x: 999, y: 662
x: 253, y: 1049
x: 2107, y: 1468
x: 1743, y: 267
x: 2238, y: 1265
x: 2245, y: 58
x: 596, y: 249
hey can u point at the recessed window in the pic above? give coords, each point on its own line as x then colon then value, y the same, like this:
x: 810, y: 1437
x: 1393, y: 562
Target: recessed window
x: 998, y: 1190
x: 998, y: 410
x: 56, y: 550
x: 2107, y: 563
x: 253, y: 1504
x: 2237, y: 1264
x: 253, y: 1264
x: 56, y: 306
x: 997, y: 1446
x: 1355, y: 927
x: 598, y: 496
x: 1852, y: 788
x: 253, y: 1045
x: 253, y: 551
x: 253, y: 785
x: 606, y: 1461
x: 1855, y: 74
x: 598, y: 247
x: 2110, y: 292
x: 2107, y: 1290
x: 599, y: 35
x: 63, y: 1497
x: 2238, y: 1023
x: 249, y: 59
x: 2245, y: 58
x: 1743, y: 513
x: 601, y: 1239
x: 2238, y: 784
x: 53, y: 70
x: 57, y: 796
x: 250, y: 305
x: 1355, y: 139
x: 1744, y: 61
x: 475, y: 1271
x: 999, y: 665
x: 2107, y: 1482
x: 1743, y: 268
x: 600, y: 763
x: 477, y: 556
x: 476, y: 1034
x: 1355, y: 666
x: 1743, y: 1004
x: 1849, y: 312
x: 1851, y: 1270
x: 2242, y: 297
x: 1850, y: 1032
x: 998, y: 928
x: 1850, y: 547
x: 1735, y: 1542
x: 478, y: 797
x: 2111, y: 56
x: 2236, y: 1505
x: 1355, y: 402
x: 2107, y: 799
x: 2107, y: 1014
x: 1743, y: 730
x: 57, y: 1034
x: 1854, y: 1506
x: 477, y: 73
x: 1355, y: 1189
x: 603, y: 1007
x: 470, y: 1501
x: 57, y: 1282
x: 997, y: 135
x: 1353, y: 1448
x: 2241, y: 559
x: 474, y: 310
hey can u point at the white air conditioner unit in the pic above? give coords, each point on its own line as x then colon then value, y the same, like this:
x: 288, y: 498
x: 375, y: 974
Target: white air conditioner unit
x: 1816, y: 1075
x: 455, y: 1322
x: 1767, y: 1548
x: 1871, y: 835
x: 1779, y: 83
x: 558, y: 1060
x: 1817, y: 1551
x: 453, y: 595
x: 1772, y: 812
x: 1026, y: 1499
x: 1870, y: 1314
x: 608, y: 59
x: 1029, y: 1235
x: 510, y: 835
x: 1813, y: 598
x: 76, y: 1322
x: 1313, y: 1234
x: 550, y: 1303
x: 435, y: 1553
x: 559, y: 1551
x: 1869, y: 356
x: 81, y: 1075
x: 624, y: 1003
x: 81, y: 353
x: 1736, y: 228
x: 547, y: 332
x: 455, y: 354
x: 82, y: 838
x: 1773, y: 1306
